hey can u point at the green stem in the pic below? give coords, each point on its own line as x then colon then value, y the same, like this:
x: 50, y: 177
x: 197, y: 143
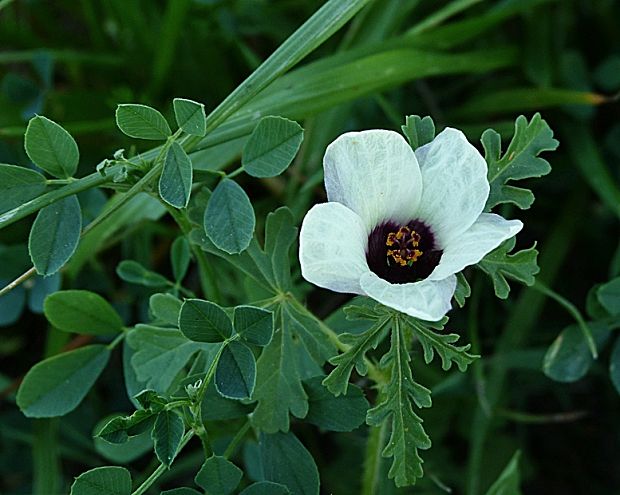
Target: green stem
x: 161, y: 469
x: 373, y: 459
x: 46, y: 475
x: 575, y: 313
x: 119, y: 338
x: 234, y: 443
x: 88, y: 182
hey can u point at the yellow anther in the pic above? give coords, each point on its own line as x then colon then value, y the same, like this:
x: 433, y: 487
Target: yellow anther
x: 403, y: 240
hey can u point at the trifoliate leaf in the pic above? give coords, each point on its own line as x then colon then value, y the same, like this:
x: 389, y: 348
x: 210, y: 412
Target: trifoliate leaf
x: 266, y: 488
x: 107, y: 480
x: 520, y: 266
x: 180, y: 257
x: 18, y: 185
x: 395, y: 404
x: 608, y: 296
x: 161, y: 353
x: 167, y: 434
x: 204, y: 321
x: 82, y: 311
x: 229, y: 219
x: 235, y: 375
x: 569, y: 358
x: 614, y: 365
x: 441, y: 343
x: 119, y: 429
x: 520, y: 161
x: 254, y: 325
x: 418, y: 131
x: 54, y: 235
x: 57, y: 385
x: 190, y: 116
x: 51, y: 147
x: 133, y: 272
x: 175, y: 182
x: 272, y: 146
x: 141, y: 121
x: 218, y: 476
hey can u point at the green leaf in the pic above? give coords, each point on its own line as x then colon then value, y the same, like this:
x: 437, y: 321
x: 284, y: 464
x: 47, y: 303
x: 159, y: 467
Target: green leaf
x: 569, y: 358
x: 520, y: 161
x: 55, y: 235
x: 81, y: 311
x: 218, y: 476
x: 181, y: 491
x: 18, y: 185
x: 229, y: 218
x: 217, y: 408
x: 120, y: 429
x: 509, y: 481
x: 108, y: 480
x: 254, y: 325
x: 419, y: 131
x: 175, y: 182
x: 180, y: 258
x: 270, y: 267
x: 129, y: 450
x: 286, y: 461
x: 463, y: 290
x: 272, y: 146
x: 265, y: 488
x: 520, y: 266
x: 51, y: 148
x: 407, y: 433
x: 343, y: 413
x: 204, y: 321
x: 337, y: 382
x: 141, y: 121
x: 150, y: 399
x: 608, y: 296
x: 167, y: 435
x: 190, y: 116
x: 441, y: 343
x: 614, y: 365
x: 133, y: 272
x: 296, y: 352
x: 165, y: 307
x: 57, y: 385
x: 235, y: 375
x: 161, y: 353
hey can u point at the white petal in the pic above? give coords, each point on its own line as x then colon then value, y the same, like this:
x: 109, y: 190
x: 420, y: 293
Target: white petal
x: 488, y: 232
x: 455, y: 182
x: 375, y: 173
x: 332, y: 248
x: 428, y: 299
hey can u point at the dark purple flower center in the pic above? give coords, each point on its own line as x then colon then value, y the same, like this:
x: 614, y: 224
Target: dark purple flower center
x: 402, y: 253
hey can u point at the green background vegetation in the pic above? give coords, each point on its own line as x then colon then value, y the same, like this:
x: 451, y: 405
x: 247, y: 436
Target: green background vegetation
x: 470, y: 65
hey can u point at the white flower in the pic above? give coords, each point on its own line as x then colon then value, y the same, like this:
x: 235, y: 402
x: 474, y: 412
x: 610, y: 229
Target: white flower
x: 399, y: 224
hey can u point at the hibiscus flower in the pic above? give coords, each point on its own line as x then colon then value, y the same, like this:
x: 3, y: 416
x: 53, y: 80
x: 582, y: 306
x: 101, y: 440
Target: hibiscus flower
x: 399, y: 224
